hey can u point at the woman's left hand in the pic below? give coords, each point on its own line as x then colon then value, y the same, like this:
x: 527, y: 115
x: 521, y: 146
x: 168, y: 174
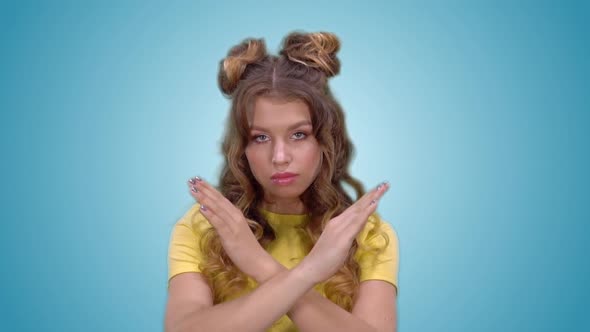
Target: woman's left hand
x: 237, y: 238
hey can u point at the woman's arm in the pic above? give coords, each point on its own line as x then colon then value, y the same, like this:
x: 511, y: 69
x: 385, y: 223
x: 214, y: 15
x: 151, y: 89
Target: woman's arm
x: 256, y: 311
x: 327, y: 255
x: 313, y: 312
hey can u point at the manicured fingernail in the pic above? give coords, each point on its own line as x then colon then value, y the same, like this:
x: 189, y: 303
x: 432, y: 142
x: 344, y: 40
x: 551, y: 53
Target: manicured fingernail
x: 379, y: 186
x: 203, y: 208
x: 373, y: 202
x: 194, y: 189
x: 194, y: 180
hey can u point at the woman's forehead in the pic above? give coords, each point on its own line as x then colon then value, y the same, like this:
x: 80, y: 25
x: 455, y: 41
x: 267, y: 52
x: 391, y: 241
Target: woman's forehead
x: 270, y: 113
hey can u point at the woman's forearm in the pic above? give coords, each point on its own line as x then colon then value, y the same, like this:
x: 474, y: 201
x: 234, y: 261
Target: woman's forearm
x: 256, y: 311
x: 313, y: 312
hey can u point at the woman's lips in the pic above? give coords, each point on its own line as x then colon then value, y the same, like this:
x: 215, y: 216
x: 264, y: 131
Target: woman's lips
x: 284, y: 180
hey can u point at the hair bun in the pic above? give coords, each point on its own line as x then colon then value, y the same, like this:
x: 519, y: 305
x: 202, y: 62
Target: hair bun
x: 238, y: 58
x: 316, y: 50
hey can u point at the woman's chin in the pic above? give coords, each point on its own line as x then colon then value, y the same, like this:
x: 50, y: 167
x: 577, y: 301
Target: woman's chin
x: 286, y: 193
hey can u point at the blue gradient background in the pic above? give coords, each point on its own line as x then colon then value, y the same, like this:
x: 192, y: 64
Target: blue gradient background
x: 476, y: 112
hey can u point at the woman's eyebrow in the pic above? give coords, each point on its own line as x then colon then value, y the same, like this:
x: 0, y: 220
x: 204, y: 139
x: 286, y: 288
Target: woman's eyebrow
x: 293, y: 126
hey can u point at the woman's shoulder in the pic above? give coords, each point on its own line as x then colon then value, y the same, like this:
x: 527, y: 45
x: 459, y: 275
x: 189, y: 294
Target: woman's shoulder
x: 194, y: 219
x: 374, y: 230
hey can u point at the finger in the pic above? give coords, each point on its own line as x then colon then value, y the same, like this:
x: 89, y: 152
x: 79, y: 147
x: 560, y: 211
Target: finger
x: 365, y: 207
x: 220, y: 226
x: 200, y: 196
x: 193, y: 180
x: 191, y: 183
x: 360, y: 220
x: 210, y: 191
x: 210, y: 208
x: 207, y: 189
x: 204, y: 186
x: 369, y: 206
x: 193, y: 192
x: 373, y: 196
x: 365, y: 202
x: 199, y: 189
x: 216, y: 205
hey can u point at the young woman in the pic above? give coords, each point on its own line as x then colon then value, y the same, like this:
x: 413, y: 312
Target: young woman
x: 281, y: 245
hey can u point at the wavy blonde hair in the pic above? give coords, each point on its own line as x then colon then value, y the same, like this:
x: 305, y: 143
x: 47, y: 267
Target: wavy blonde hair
x: 299, y: 72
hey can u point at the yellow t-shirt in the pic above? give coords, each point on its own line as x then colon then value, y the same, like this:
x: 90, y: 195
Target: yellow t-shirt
x: 288, y: 248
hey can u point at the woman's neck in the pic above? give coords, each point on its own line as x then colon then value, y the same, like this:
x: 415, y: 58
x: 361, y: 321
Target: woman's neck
x: 283, y: 206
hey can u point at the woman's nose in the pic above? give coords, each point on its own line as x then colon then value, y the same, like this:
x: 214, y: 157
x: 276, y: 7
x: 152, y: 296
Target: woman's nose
x: 280, y: 153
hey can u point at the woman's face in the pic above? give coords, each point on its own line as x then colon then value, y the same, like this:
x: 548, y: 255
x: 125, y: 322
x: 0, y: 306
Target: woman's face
x: 283, y: 154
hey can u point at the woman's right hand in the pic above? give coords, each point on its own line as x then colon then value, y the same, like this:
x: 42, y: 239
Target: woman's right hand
x: 330, y: 251
x: 237, y: 239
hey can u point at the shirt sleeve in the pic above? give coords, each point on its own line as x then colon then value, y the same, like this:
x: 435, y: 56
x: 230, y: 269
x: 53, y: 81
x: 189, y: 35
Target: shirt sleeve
x: 184, y: 253
x: 385, y: 264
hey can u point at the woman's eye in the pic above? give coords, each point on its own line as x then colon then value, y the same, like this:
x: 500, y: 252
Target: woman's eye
x: 264, y: 138
x: 260, y: 138
x: 299, y: 135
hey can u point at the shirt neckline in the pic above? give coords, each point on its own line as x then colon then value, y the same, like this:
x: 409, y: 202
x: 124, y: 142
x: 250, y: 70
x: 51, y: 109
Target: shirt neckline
x: 281, y: 221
